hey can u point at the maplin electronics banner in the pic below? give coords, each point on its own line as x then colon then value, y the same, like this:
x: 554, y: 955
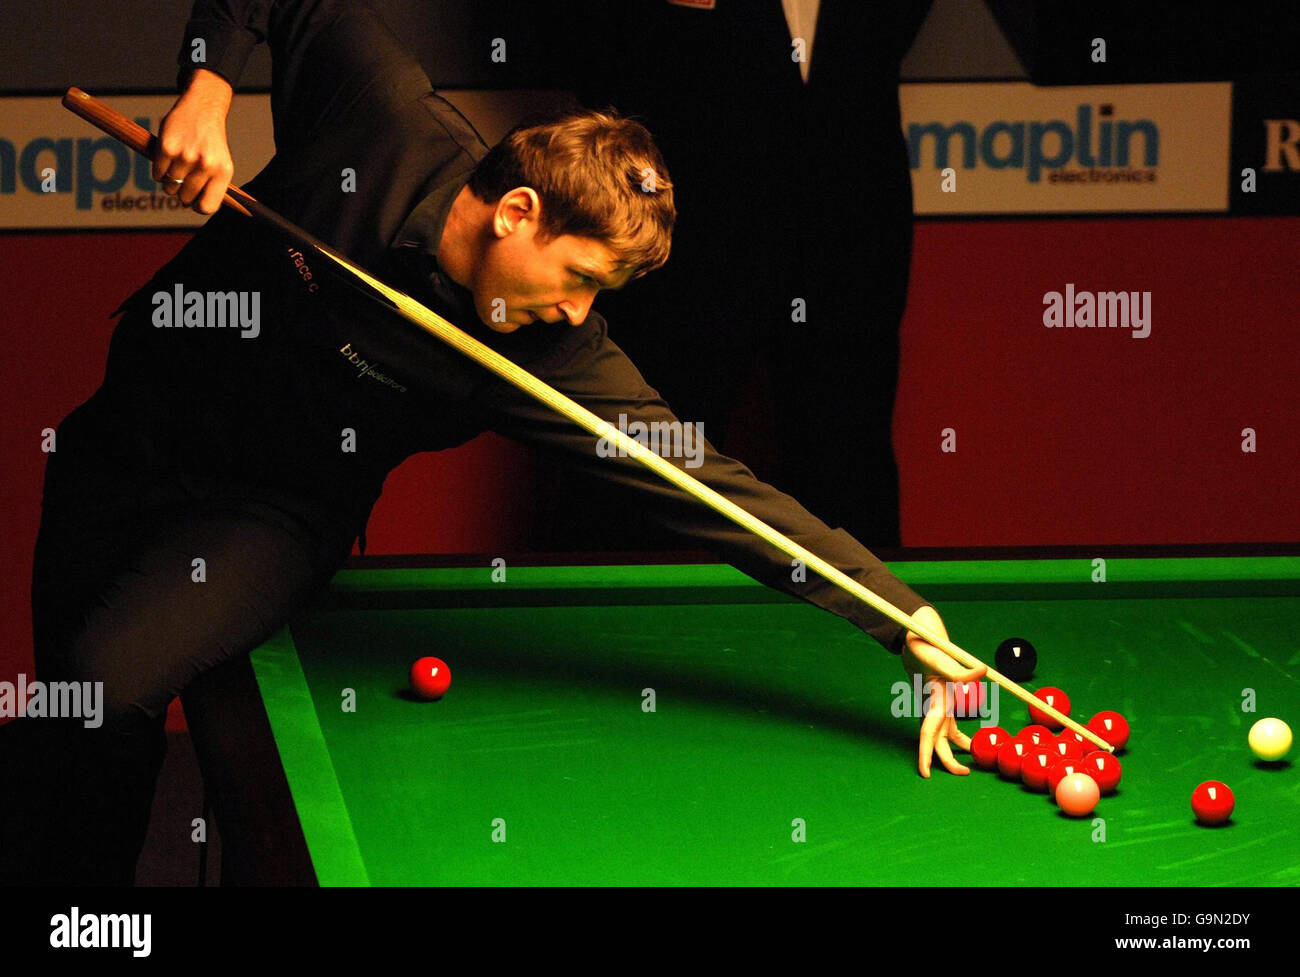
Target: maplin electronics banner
x: 1014, y: 148
x: 976, y: 148
x: 60, y: 172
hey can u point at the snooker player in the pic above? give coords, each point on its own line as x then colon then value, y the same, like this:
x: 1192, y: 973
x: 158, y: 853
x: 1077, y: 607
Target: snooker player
x: 260, y: 451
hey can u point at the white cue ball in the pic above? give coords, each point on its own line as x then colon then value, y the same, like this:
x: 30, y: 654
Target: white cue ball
x: 1270, y: 739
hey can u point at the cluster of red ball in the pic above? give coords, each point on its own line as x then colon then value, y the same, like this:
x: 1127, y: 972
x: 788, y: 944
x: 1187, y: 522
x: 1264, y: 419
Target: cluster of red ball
x: 1067, y: 765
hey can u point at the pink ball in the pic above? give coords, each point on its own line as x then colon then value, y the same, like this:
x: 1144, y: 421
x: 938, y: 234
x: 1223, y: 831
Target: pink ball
x: 1077, y: 795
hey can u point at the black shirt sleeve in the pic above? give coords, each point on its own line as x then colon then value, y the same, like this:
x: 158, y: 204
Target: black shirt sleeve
x: 220, y: 36
x: 330, y: 59
x: 600, y: 377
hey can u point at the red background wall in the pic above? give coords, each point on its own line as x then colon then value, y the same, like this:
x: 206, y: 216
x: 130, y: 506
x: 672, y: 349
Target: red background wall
x: 1064, y: 437
x: 1087, y: 436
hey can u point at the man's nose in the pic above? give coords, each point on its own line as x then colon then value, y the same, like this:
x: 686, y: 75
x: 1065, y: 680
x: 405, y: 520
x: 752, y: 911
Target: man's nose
x: 576, y: 310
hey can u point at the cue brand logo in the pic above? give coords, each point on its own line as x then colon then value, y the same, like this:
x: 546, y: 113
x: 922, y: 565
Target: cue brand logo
x: 1098, y: 310
x: 667, y: 439
x: 365, y: 368
x: 53, y: 700
x: 179, y: 309
x: 1088, y: 149
x: 974, y: 699
x: 303, y: 269
x: 102, y: 931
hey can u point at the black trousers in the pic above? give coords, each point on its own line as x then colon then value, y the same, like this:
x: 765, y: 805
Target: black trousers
x: 154, y: 590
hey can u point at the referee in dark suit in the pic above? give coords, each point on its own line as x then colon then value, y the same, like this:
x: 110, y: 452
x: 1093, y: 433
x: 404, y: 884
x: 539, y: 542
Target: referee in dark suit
x: 793, y: 241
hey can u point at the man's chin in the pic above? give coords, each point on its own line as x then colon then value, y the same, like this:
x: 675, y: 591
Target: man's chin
x: 508, y: 326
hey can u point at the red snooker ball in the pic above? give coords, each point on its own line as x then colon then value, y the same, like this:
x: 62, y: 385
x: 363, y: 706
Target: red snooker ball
x: 1212, y: 802
x: 1010, y: 758
x: 430, y: 678
x: 1110, y: 726
x: 1060, y: 770
x: 1085, y: 745
x: 1055, y: 698
x: 967, y: 699
x: 1066, y: 748
x: 1077, y: 795
x: 1035, y: 767
x: 1104, y: 768
x: 984, y: 746
x: 1035, y: 735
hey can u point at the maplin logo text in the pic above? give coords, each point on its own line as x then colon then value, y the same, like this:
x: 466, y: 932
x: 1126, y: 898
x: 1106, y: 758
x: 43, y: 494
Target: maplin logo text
x: 1036, y: 146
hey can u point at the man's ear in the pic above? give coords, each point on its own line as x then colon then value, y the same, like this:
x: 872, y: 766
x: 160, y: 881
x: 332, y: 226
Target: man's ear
x: 514, y: 208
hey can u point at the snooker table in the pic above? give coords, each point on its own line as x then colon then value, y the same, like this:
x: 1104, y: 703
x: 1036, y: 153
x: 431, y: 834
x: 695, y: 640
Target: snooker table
x: 771, y: 720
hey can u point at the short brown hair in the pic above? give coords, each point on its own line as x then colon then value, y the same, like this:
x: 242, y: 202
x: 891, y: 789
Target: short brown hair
x: 598, y: 175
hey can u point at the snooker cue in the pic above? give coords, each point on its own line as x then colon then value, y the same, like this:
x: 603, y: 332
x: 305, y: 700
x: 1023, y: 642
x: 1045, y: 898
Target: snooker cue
x: 142, y: 141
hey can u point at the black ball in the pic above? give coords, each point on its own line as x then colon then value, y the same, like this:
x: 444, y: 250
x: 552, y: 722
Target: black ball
x: 1016, y: 658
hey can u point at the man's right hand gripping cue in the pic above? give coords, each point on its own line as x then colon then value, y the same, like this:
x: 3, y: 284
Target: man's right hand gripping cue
x: 193, y: 158
x: 938, y: 728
